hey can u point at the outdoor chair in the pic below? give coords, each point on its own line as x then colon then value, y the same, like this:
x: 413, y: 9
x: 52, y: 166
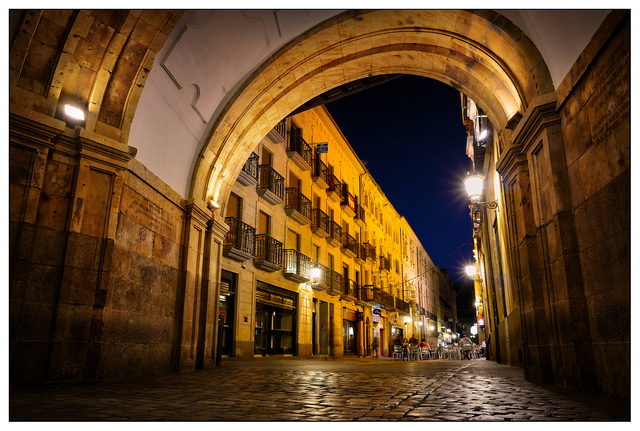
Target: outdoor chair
x: 397, y: 353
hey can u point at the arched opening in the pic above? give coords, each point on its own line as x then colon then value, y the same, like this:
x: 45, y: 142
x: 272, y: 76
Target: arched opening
x: 497, y: 67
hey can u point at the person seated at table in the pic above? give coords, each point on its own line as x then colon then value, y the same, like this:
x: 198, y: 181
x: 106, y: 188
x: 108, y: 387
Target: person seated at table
x: 467, y: 346
x: 413, y: 340
x: 405, y: 350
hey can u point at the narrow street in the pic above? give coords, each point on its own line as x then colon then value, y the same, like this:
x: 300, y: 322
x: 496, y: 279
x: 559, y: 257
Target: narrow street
x: 321, y: 390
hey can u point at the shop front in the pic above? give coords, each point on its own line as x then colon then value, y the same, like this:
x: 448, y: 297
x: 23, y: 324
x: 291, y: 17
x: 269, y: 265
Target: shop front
x: 349, y: 332
x: 275, y: 321
x: 378, y: 320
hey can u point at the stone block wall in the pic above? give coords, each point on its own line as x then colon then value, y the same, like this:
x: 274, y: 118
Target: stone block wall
x: 596, y: 131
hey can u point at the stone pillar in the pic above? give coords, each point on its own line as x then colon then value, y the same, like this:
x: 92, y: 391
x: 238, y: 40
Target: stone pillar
x: 208, y: 332
x: 544, y: 251
x: 189, y: 295
x: 66, y: 184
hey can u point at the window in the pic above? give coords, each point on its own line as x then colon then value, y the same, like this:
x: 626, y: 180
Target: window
x: 264, y: 222
x: 234, y: 206
x: 267, y: 158
x: 294, y: 181
x: 293, y: 240
x: 316, y: 254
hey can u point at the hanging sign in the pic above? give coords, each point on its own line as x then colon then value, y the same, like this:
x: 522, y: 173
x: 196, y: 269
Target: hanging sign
x: 322, y: 147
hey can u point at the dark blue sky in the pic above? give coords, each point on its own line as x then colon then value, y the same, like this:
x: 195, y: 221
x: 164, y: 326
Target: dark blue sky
x: 409, y: 131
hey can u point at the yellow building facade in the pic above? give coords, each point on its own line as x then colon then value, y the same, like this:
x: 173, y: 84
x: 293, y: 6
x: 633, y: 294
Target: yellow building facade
x: 317, y: 261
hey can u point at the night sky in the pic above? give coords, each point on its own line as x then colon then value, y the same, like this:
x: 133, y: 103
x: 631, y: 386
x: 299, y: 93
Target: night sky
x: 409, y: 131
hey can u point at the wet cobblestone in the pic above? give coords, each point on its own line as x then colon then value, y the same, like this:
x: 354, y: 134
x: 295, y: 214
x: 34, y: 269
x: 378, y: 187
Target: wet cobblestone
x: 321, y: 390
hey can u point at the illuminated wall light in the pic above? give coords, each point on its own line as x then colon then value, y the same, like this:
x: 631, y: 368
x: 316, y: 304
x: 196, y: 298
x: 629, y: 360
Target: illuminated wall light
x: 471, y: 270
x: 214, y: 204
x: 73, y: 112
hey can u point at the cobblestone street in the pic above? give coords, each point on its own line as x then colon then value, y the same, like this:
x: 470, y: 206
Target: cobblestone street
x: 321, y: 390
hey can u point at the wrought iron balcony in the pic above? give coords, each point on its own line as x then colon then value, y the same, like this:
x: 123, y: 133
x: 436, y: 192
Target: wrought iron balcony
x: 278, y: 134
x: 366, y: 293
x: 335, y: 234
x: 239, y: 243
x: 335, y: 283
x: 348, y: 203
x: 370, y: 251
x: 299, y: 151
x: 350, y: 288
x: 349, y: 245
x: 268, y: 253
x: 270, y: 185
x: 383, y: 298
x: 385, y: 264
x: 297, y: 206
x: 248, y: 176
x: 319, y: 223
x: 359, y: 218
x: 320, y: 173
x: 297, y: 266
x: 334, y: 189
x: 361, y: 255
x: 403, y: 306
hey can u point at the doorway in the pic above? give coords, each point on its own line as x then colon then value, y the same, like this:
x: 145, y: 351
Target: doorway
x: 226, y: 310
x: 275, y: 321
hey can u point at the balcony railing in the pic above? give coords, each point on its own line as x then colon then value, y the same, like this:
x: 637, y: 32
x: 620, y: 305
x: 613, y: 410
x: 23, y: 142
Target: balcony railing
x: 297, y: 206
x: 320, y: 172
x: 320, y: 222
x: 239, y: 243
x: 385, y: 264
x: 297, y: 266
x: 270, y: 185
x: 370, y: 250
x: 348, y: 203
x: 383, y: 298
x: 299, y: 151
x: 400, y: 305
x: 359, y: 218
x: 361, y: 255
x: 279, y: 133
x: 366, y: 293
x: 349, y: 245
x: 334, y: 189
x: 248, y: 176
x: 335, y: 234
x: 350, y: 288
x: 268, y: 255
x: 335, y: 283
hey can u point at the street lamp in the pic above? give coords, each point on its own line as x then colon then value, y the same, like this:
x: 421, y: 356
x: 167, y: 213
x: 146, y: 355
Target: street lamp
x: 474, y: 184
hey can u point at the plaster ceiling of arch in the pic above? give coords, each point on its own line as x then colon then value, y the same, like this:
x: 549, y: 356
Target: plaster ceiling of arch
x: 199, y: 70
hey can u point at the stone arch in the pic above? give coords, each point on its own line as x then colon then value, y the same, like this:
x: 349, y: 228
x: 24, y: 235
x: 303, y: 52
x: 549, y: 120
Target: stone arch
x: 480, y: 53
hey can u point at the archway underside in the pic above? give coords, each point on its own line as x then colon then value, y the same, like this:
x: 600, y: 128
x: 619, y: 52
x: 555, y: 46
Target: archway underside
x: 491, y: 68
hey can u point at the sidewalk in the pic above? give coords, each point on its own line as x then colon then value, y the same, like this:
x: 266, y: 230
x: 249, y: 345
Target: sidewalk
x: 362, y: 389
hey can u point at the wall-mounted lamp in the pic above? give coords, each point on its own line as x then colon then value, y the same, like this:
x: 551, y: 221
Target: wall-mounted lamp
x: 73, y: 112
x: 480, y: 123
x: 471, y: 271
x: 408, y: 320
x: 315, y: 275
x: 213, y: 205
x: 420, y: 323
x: 474, y: 185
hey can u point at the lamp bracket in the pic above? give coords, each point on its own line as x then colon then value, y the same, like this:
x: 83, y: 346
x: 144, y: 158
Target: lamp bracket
x: 493, y: 205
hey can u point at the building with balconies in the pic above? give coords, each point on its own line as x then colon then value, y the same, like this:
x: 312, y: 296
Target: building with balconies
x: 314, y: 243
